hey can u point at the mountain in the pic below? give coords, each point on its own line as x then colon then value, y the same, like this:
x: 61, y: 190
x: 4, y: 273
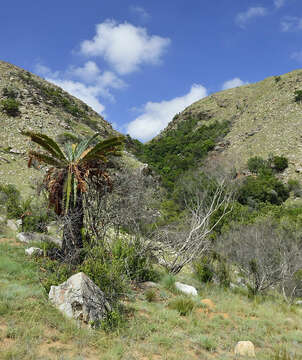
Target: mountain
x: 28, y: 102
x: 265, y: 118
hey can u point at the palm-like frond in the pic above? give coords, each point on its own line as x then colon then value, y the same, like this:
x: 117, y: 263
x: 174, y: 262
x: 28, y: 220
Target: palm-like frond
x: 47, y: 143
x: 72, y: 168
x: 43, y: 158
x: 107, y: 147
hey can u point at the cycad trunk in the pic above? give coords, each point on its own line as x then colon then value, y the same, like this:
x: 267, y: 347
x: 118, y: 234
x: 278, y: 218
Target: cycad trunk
x: 72, y: 231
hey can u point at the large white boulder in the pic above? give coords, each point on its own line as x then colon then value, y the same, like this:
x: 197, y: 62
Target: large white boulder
x: 187, y: 289
x: 245, y: 348
x: 81, y: 299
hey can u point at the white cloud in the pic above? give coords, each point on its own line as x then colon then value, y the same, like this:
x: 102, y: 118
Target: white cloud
x: 124, y: 46
x: 243, y: 18
x: 87, y: 73
x: 157, y: 115
x: 291, y: 23
x: 297, y: 55
x: 279, y: 3
x: 88, y: 78
x: 88, y: 94
x: 233, y: 83
x: 140, y: 12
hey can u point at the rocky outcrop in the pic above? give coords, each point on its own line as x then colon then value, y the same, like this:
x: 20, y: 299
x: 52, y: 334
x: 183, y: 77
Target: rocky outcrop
x: 81, y: 299
x: 28, y: 237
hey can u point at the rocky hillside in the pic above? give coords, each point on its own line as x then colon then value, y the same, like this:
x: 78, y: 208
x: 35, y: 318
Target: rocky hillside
x: 264, y: 117
x: 28, y: 102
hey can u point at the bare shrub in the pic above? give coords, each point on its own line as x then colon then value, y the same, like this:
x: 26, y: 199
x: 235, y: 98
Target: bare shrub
x: 188, y: 239
x: 265, y: 255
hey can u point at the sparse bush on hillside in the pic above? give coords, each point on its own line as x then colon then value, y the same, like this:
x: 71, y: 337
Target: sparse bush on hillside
x: 277, y: 79
x: 184, y: 305
x: 295, y: 187
x: 298, y: 95
x: 280, y: 163
x: 10, y: 106
x: 256, y: 164
x: 10, y: 92
x: 265, y: 254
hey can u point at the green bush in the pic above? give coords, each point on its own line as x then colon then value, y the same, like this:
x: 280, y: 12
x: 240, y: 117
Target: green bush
x: 295, y: 187
x: 10, y: 198
x: 184, y: 305
x: 264, y: 188
x: 10, y: 92
x: 113, y: 266
x: 255, y: 164
x: 10, y: 106
x: 280, y: 163
x: 203, y: 269
x: 298, y: 95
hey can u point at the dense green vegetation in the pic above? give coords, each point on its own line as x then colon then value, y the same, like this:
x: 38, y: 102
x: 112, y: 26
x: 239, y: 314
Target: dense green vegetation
x: 181, y: 149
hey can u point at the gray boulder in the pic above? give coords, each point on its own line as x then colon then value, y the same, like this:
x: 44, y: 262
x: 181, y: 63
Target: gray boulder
x: 81, y: 299
x: 186, y: 289
x: 34, y: 251
x: 28, y: 237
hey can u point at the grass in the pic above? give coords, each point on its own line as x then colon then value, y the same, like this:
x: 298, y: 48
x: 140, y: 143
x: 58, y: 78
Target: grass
x: 30, y: 328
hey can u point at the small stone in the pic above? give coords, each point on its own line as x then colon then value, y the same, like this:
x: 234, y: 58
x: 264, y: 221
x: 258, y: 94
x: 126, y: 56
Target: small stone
x: 148, y: 284
x: 34, y: 251
x: 245, y: 348
x: 187, y: 289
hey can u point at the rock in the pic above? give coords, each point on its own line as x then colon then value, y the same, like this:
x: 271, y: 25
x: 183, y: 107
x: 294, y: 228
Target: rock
x: 28, y: 237
x: 34, y: 251
x: 298, y: 302
x: 187, y: 289
x: 81, y: 299
x: 245, y: 348
x: 2, y: 219
x: 12, y: 224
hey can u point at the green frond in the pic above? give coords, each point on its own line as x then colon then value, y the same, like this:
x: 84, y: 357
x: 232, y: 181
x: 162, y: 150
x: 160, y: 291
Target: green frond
x: 46, y: 159
x: 69, y: 152
x: 83, y: 146
x: 110, y: 146
x: 46, y: 143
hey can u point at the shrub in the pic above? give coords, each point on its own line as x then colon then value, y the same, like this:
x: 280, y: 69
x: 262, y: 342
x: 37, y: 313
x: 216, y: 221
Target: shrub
x: 168, y: 282
x: 150, y: 295
x: 295, y: 187
x: 277, y: 78
x: 10, y: 92
x: 256, y: 163
x: 280, y: 163
x: 203, y: 269
x: 266, y: 255
x: 10, y: 198
x: 183, y: 305
x: 298, y: 95
x: 10, y: 106
x: 112, y: 266
x: 208, y: 343
x: 264, y: 188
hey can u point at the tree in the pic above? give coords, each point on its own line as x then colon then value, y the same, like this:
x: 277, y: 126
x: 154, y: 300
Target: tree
x: 67, y: 178
x: 206, y: 204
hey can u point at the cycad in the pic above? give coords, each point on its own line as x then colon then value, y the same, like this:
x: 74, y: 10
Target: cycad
x: 67, y: 178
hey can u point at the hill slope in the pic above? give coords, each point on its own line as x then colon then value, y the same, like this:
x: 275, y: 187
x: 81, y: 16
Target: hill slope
x: 42, y: 107
x: 264, y: 117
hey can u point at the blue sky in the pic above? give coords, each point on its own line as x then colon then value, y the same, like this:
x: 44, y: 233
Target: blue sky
x: 138, y: 63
